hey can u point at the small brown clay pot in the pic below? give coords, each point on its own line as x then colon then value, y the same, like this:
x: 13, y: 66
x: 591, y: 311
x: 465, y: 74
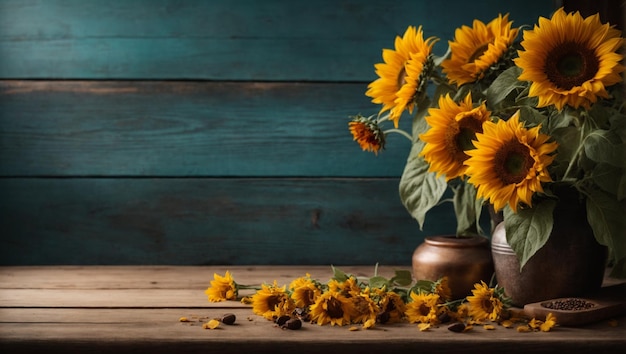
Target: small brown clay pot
x: 465, y: 260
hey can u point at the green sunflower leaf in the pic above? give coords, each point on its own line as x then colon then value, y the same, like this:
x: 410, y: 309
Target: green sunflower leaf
x: 610, y: 179
x: 378, y: 282
x: 529, y: 229
x: 503, y: 85
x: 605, y: 214
x: 561, y: 119
x: 603, y: 146
x: 402, y: 278
x: 339, y: 275
x: 422, y: 286
x: 420, y: 190
x: 466, y: 209
x: 532, y: 117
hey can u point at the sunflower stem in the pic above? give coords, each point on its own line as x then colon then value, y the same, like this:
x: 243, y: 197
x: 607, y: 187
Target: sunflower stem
x: 399, y: 131
x: 383, y: 118
x: 580, y: 146
x: 253, y: 287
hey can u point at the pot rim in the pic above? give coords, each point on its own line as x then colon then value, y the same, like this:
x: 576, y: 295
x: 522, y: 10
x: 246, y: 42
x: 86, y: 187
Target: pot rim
x: 456, y: 241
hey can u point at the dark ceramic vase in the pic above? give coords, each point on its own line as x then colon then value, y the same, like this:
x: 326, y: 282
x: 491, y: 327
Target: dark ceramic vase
x: 571, y: 263
x: 464, y: 260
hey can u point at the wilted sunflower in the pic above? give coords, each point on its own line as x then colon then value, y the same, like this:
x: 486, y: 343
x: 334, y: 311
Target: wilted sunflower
x: 509, y: 163
x: 222, y: 288
x: 476, y: 49
x: 367, y: 133
x: 442, y: 288
x: 570, y: 60
x: 393, y: 74
x: 485, y: 303
x: 423, y: 308
x: 350, y: 287
x: 365, y: 308
x: 304, y: 291
x: 272, y: 301
x: 453, y: 127
x: 332, y: 307
x: 390, y: 303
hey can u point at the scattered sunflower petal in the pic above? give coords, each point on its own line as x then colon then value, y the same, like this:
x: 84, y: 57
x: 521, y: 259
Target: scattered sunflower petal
x: 524, y: 328
x: 212, y: 324
x: 507, y: 323
x: 423, y: 327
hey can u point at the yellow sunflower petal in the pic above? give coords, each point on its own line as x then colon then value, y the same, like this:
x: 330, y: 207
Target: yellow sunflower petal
x: 509, y: 163
x: 570, y: 60
x: 475, y: 49
x: 453, y: 127
x: 402, y: 66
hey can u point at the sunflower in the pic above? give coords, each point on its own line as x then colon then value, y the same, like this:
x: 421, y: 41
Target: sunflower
x: 332, y: 307
x: 462, y: 312
x: 350, y: 287
x: 365, y: 308
x: 367, y: 133
x: 484, y: 303
x: 453, y: 128
x: 391, y: 304
x: 478, y: 48
x: 416, y: 72
x: 394, y: 73
x: 570, y: 60
x: 423, y: 308
x: 442, y: 288
x: 509, y: 162
x: 222, y: 288
x: 272, y: 301
x: 304, y: 291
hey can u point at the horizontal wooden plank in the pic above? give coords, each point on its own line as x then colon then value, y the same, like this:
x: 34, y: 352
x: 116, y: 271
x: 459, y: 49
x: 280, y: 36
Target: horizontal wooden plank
x: 194, y: 221
x: 256, y: 327
x: 165, y: 128
x: 145, y: 286
x: 166, y: 277
x: 272, y: 40
x: 106, y: 298
x: 160, y: 332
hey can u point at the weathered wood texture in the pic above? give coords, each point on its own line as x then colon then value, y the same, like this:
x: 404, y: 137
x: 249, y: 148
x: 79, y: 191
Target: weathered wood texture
x: 208, y: 221
x: 113, y: 128
x: 275, y: 40
x: 137, y: 309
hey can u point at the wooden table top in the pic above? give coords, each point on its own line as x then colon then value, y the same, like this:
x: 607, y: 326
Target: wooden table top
x: 103, y: 309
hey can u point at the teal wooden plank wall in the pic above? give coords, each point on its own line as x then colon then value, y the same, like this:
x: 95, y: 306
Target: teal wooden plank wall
x: 206, y: 132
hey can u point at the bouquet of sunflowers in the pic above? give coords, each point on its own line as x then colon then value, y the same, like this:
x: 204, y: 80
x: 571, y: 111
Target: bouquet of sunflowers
x: 504, y: 118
